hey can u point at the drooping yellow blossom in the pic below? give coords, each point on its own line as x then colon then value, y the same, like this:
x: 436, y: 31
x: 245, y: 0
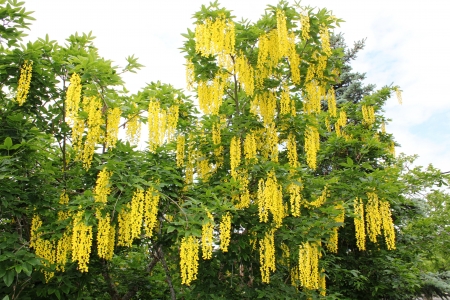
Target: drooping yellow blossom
x: 47, y: 250
x: 63, y: 200
x: 112, y: 126
x: 81, y: 242
x: 130, y: 220
x: 314, y: 93
x: 331, y: 100
x: 312, y: 144
x: 150, y: 214
x: 294, y: 59
x: 207, y: 236
x: 225, y: 232
x: 162, y: 124
x: 93, y: 106
x: 245, y: 73
x: 133, y: 127
x: 285, y: 101
x: 295, y: 276
x: 190, y: 75
x: 282, y: 34
x: 73, y: 98
x: 270, y: 198
x: 188, y: 259
x: 216, y: 37
x: 388, y: 225
x: 63, y: 247
x: 235, y: 155
x: 23, y: 87
x: 368, y: 115
x: 398, y: 92
x: 295, y: 198
x: 250, y: 146
x: 321, y: 199
x: 286, y: 255
x: 360, y: 230
x: 36, y: 223
x: 341, y: 122
x: 332, y: 244
x: 104, y: 236
x: 243, y: 199
x: 267, y: 256
x: 373, y: 216
x: 309, y: 265
x: 210, y: 94
x: 322, y: 283
x: 304, y: 21
x: 181, y: 141
x: 102, y: 189
x: 325, y: 37
x: 77, y: 136
x: 292, y: 152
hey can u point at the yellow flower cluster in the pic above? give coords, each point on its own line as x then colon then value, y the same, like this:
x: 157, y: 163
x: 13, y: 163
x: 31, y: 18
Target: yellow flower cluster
x: 331, y: 100
x: 294, y: 60
x: 285, y: 101
x: 286, y: 255
x: 188, y: 260
x: 373, y: 216
x: 63, y: 247
x: 368, y: 115
x: 322, y: 283
x: 36, y: 223
x: 282, y: 34
x: 112, y: 126
x: 250, y: 146
x: 321, y: 199
x: 210, y: 94
x: 218, y: 148
x: 81, y: 242
x: 270, y: 198
x: 216, y: 38
x: 46, y: 250
x: 105, y: 236
x: 388, y: 225
x: 292, y: 152
x: 267, y: 256
x: 304, y: 21
x: 312, y: 144
x: 235, y: 155
x: 265, y: 105
x: 313, y: 95
x: 151, y: 203
x: 130, y: 220
x: 162, y: 124
x: 295, y: 192
x: 102, y: 189
x: 341, y: 122
x: 398, y: 92
x: 133, y: 127
x: 309, y: 265
x: 225, y: 232
x: 181, y: 142
x: 243, y: 199
x: 360, y: 230
x: 325, y: 37
x: 332, y: 244
x: 207, y: 236
x: 23, y: 86
x: 63, y: 200
x: 73, y: 97
x: 245, y: 73
x: 93, y: 106
x: 190, y: 75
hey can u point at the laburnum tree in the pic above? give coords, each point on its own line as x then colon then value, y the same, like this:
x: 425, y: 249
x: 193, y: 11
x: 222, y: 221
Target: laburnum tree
x: 257, y: 184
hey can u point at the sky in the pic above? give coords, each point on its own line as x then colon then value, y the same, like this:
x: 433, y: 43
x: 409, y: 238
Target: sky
x: 407, y: 45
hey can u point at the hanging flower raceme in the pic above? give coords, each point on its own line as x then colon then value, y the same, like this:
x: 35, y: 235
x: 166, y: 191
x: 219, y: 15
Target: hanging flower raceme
x: 309, y: 265
x: 270, y: 198
x: 150, y: 214
x: 106, y: 234
x: 332, y: 244
x: 341, y: 122
x: 81, y: 242
x: 73, y: 98
x: 23, y: 86
x: 93, y: 106
x: 295, y: 198
x: 388, y: 225
x: 294, y: 59
x: 181, y: 142
x: 250, y: 146
x: 360, y: 230
x: 235, y: 155
x: 245, y: 73
x: 63, y: 248
x: 210, y: 94
x: 162, y: 124
x: 102, y: 189
x: 292, y: 152
x: 130, y: 219
x: 133, y: 127
x: 190, y: 75
x: 282, y: 34
x: 368, y: 115
x: 225, y: 232
x: 325, y: 37
x: 312, y: 144
x: 321, y: 199
x: 207, y: 236
x: 188, y: 259
x: 373, y: 216
x: 398, y: 92
x: 314, y: 93
x: 331, y: 101
x: 112, y: 127
x: 304, y: 21
x: 267, y: 256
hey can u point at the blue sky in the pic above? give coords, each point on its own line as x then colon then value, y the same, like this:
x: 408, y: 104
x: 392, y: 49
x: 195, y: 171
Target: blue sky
x: 407, y: 44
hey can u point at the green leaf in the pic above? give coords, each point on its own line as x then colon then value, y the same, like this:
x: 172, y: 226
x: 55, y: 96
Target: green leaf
x: 8, y: 143
x: 6, y: 297
x: 9, y: 277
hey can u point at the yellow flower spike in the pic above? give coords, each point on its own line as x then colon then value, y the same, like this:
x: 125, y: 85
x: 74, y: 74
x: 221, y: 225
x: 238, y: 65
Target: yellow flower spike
x: 73, y: 97
x: 207, y: 236
x: 112, y: 127
x: 225, y: 232
x: 235, y: 155
x: 81, y: 242
x: 102, y: 190
x: 359, y: 224
x: 267, y: 256
x: 188, y: 260
x: 23, y: 86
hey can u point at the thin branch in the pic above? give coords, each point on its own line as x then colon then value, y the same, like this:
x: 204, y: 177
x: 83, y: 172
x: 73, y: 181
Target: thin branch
x: 167, y: 271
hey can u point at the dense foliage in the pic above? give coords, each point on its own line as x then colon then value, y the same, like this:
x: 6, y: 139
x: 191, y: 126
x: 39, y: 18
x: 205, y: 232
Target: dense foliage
x: 278, y: 178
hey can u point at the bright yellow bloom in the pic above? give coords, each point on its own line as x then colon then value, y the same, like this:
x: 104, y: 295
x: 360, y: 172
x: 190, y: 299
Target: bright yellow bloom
x: 312, y: 144
x: 368, y: 115
x: 267, y: 256
x: 207, y: 236
x: 309, y: 265
x: 235, y: 155
x: 81, y: 242
x: 225, y: 231
x: 73, y: 97
x: 23, y: 86
x: 112, y: 126
x: 102, y: 189
x: 104, y: 236
x: 270, y: 198
x: 188, y: 259
x: 388, y: 225
x: 359, y: 224
x: 151, y: 202
x: 373, y: 216
x: 304, y: 20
